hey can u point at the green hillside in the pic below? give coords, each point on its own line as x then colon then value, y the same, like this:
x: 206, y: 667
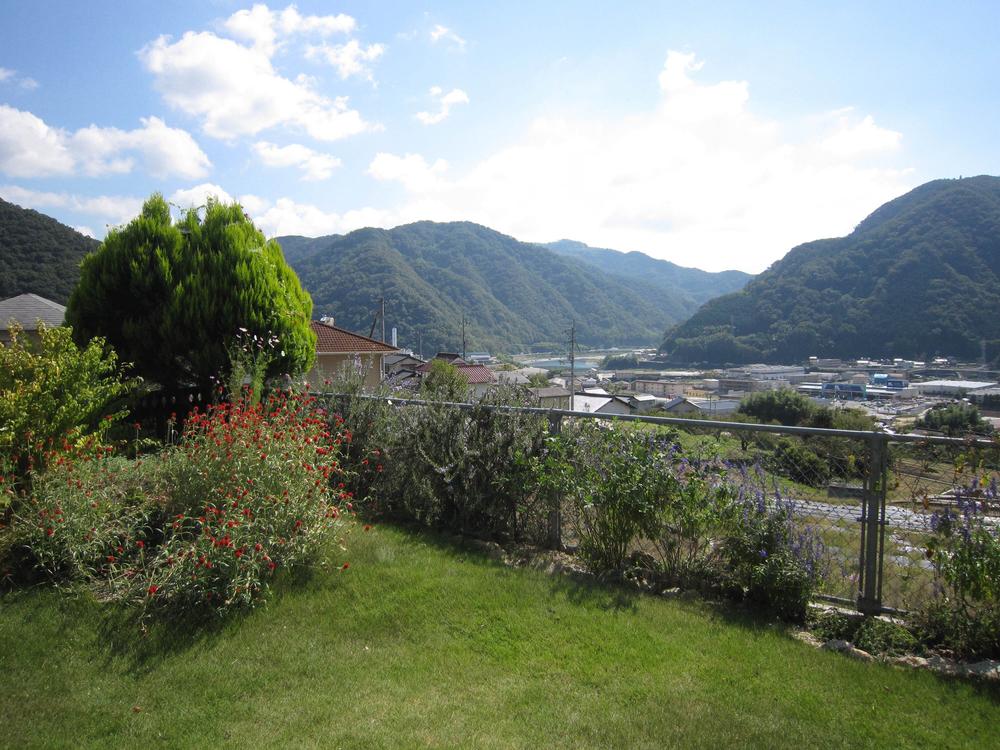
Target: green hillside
x: 919, y: 277
x: 513, y: 294
x: 689, y: 286
x: 38, y: 254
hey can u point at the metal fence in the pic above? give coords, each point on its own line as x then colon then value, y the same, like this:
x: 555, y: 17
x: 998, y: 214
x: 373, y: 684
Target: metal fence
x: 870, y: 497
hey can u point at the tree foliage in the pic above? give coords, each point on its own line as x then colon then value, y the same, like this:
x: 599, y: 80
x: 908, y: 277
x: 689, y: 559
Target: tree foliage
x: 54, y: 394
x: 955, y: 420
x: 784, y: 406
x: 170, y: 297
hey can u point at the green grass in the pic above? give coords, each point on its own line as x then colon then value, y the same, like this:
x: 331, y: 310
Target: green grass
x: 424, y: 644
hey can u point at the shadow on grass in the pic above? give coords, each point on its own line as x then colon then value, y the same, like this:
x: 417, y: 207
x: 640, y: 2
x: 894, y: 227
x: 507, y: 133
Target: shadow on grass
x: 142, y: 639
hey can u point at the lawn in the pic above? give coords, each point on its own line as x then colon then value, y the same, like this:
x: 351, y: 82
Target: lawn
x: 422, y: 643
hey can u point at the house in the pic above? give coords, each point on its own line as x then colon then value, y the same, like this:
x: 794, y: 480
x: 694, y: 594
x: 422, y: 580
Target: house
x: 700, y: 407
x: 609, y: 405
x: 479, y: 377
x: 27, y: 310
x: 337, y: 348
x: 551, y: 397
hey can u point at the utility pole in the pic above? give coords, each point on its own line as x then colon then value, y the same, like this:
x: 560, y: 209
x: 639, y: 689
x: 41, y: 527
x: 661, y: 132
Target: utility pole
x: 383, y: 320
x: 572, y: 365
x: 463, y: 337
x: 420, y: 345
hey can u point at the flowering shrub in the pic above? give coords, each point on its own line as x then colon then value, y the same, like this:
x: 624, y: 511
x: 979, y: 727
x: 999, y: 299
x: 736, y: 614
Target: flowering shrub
x: 773, y: 561
x: 965, y: 553
x: 248, y: 491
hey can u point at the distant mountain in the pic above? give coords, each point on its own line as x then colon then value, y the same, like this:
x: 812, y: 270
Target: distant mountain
x: 512, y: 294
x: 691, y: 285
x: 38, y: 254
x: 919, y: 277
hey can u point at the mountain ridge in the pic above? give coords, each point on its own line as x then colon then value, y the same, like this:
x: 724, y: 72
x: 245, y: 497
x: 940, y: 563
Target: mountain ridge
x: 919, y: 276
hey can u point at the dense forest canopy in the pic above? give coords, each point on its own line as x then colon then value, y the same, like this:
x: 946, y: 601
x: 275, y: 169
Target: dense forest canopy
x: 919, y: 277
x: 690, y: 287
x: 512, y: 294
x: 38, y: 255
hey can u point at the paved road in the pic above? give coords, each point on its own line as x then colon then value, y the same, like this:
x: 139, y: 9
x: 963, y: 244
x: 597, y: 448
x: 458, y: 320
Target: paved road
x: 895, y: 517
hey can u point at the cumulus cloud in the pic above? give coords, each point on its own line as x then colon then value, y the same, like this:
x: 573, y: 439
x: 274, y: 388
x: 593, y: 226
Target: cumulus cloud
x: 285, y: 216
x: 314, y: 165
x: 114, y: 209
x: 349, y: 59
x: 85, y: 230
x: 412, y: 170
x: 445, y: 102
x: 31, y: 148
x: 851, y: 138
x: 234, y: 90
x: 697, y: 178
x: 439, y: 33
x: 262, y: 26
x: 197, y: 196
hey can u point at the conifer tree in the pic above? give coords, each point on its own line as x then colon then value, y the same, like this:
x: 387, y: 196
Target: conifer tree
x: 171, y: 296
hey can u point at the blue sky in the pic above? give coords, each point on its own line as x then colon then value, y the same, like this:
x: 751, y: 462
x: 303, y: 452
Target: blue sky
x: 713, y: 135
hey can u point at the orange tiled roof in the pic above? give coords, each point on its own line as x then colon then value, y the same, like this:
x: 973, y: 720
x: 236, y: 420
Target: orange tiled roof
x: 333, y: 340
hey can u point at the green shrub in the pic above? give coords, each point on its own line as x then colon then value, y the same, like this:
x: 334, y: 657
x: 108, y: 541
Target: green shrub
x: 884, y: 638
x: 461, y: 469
x: 248, y: 490
x: 965, y: 552
x: 776, y: 563
x: 54, y: 397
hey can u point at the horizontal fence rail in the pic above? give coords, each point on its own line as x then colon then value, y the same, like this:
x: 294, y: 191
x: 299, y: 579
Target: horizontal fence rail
x: 870, y: 496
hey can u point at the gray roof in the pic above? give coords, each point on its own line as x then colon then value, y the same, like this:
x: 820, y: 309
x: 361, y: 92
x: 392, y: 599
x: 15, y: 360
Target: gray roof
x: 552, y: 391
x: 27, y: 309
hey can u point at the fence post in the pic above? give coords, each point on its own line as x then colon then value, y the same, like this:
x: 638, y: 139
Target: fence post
x: 873, y: 528
x: 555, y: 513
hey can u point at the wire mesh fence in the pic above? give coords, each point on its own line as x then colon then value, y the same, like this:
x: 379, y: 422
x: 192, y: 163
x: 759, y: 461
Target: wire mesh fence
x: 866, y: 503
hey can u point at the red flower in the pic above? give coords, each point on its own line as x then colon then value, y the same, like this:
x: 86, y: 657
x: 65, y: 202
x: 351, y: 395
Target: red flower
x: 153, y: 589
x: 111, y: 558
x: 140, y: 544
x: 345, y: 566
x: 368, y: 527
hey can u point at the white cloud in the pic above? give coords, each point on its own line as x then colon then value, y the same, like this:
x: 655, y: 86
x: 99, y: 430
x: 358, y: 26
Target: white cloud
x: 261, y: 26
x: 444, y: 102
x: 699, y: 178
x: 412, y: 170
x: 314, y: 165
x: 349, y: 59
x: 234, y: 90
x: 440, y: 32
x: 852, y: 139
x: 114, y: 209
x: 10, y: 76
x: 197, y: 196
x: 31, y: 148
x: 285, y: 216
x: 85, y: 230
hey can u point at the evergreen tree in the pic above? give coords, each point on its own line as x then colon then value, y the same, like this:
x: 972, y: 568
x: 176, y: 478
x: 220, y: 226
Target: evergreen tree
x: 171, y: 297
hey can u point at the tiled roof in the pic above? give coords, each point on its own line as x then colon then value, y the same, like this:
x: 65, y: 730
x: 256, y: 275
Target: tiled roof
x: 475, y: 374
x: 333, y: 340
x: 26, y: 309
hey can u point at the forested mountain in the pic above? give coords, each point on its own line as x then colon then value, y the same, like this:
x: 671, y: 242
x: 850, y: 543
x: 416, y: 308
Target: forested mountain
x: 513, y: 294
x: 38, y: 254
x: 690, y: 286
x: 919, y: 277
